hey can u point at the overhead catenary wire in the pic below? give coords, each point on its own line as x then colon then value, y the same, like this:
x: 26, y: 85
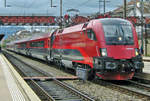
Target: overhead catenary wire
x: 27, y: 3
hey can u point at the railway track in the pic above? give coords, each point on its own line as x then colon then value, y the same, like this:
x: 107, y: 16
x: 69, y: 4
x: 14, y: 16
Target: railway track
x: 142, y: 77
x: 46, y: 86
x: 130, y: 87
x: 136, y: 87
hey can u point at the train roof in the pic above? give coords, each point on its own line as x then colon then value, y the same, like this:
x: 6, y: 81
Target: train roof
x: 75, y: 28
x: 40, y: 36
x: 35, y: 36
x: 114, y: 21
x: 71, y: 29
x: 22, y: 40
x: 79, y: 27
x: 11, y: 43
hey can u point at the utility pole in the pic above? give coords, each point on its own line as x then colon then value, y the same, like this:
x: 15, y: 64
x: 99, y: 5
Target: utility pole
x: 125, y: 8
x: 60, y: 8
x: 134, y: 12
x: 61, y: 13
x: 99, y: 7
x: 51, y: 3
x: 5, y: 3
x: 142, y: 20
x: 104, y: 5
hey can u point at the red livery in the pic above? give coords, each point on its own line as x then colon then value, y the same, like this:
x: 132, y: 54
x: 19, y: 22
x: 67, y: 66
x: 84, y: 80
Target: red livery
x: 106, y: 47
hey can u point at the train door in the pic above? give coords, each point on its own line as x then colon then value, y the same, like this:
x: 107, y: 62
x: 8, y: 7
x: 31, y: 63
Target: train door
x: 91, y: 51
x: 91, y: 43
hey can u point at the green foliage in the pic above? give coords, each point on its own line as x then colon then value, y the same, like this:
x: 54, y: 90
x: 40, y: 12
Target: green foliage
x: 5, y: 42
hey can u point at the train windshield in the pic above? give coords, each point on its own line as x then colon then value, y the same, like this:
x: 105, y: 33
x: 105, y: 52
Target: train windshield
x: 118, y: 34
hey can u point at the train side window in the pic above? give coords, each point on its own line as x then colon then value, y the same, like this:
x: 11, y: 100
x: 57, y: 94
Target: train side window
x: 42, y: 43
x: 33, y: 44
x: 39, y: 44
x: 91, y: 35
x: 24, y: 45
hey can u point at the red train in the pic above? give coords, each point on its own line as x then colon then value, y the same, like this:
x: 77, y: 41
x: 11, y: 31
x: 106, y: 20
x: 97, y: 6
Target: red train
x: 106, y: 47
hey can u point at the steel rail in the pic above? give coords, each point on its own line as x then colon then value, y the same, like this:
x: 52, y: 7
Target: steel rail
x: 42, y: 91
x: 62, y: 84
x: 123, y: 89
x: 140, y: 85
x: 76, y: 92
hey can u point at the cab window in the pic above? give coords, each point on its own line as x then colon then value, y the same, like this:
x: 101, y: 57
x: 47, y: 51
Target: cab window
x: 91, y: 35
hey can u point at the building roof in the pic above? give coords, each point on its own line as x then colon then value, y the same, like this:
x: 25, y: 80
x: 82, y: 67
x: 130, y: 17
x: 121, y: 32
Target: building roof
x: 130, y: 8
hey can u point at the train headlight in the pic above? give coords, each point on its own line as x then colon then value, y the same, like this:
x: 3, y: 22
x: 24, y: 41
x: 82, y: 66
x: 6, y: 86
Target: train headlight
x: 103, y: 52
x: 136, y: 52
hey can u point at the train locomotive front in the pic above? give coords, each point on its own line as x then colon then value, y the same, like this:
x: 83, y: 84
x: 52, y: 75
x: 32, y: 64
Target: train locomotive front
x: 119, y: 56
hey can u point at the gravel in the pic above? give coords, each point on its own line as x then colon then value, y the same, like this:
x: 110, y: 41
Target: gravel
x: 99, y: 92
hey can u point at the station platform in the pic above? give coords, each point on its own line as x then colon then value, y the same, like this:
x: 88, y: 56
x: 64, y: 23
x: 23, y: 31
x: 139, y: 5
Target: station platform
x: 146, y: 58
x: 12, y: 85
x: 146, y: 68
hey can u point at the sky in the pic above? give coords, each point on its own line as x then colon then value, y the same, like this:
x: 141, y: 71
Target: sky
x: 43, y: 7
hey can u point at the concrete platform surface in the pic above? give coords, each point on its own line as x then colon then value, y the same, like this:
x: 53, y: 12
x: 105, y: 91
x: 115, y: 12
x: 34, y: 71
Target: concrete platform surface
x: 146, y: 67
x: 10, y: 91
x: 12, y: 85
x: 146, y: 58
x: 4, y: 91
